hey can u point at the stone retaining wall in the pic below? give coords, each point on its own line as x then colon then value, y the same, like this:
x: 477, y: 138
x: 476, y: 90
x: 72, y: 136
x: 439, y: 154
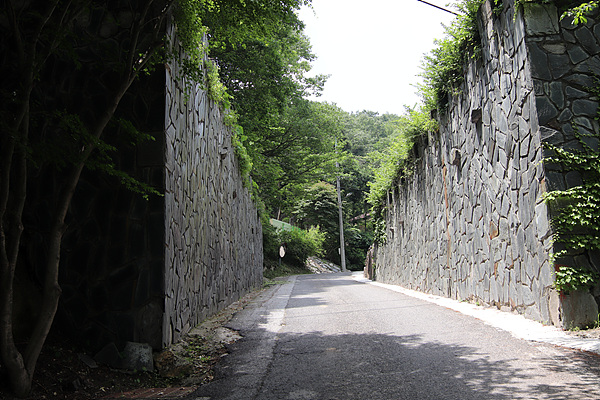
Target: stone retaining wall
x: 213, y: 248
x: 470, y: 223
x: 149, y: 270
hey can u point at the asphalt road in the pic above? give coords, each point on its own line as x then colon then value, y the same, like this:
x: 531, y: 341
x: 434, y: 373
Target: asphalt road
x: 330, y: 337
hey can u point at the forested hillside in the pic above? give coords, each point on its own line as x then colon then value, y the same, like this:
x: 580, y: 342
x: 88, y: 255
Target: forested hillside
x: 294, y: 148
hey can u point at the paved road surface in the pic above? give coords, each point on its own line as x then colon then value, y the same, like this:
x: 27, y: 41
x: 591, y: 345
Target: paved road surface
x: 326, y: 337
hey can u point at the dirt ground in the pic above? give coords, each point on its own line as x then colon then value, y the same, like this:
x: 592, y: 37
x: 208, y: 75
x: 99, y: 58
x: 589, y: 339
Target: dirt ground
x: 586, y: 333
x: 63, y: 373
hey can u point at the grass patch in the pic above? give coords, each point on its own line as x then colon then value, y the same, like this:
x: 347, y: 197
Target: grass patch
x: 273, y: 270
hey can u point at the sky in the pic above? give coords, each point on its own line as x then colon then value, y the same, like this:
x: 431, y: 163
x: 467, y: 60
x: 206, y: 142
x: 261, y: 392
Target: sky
x: 372, y: 50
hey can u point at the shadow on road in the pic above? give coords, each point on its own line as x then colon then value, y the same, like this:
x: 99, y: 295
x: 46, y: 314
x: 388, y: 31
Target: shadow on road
x: 320, y: 283
x: 374, y: 366
x: 274, y: 361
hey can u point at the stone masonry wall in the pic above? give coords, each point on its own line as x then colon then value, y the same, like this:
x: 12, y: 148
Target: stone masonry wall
x: 470, y: 223
x: 149, y: 270
x: 565, y: 65
x: 213, y: 251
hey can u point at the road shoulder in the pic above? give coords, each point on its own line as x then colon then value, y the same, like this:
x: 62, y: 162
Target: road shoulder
x: 519, y: 326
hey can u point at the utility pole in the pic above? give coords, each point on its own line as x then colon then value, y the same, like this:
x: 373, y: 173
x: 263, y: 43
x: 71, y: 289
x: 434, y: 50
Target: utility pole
x: 339, y: 196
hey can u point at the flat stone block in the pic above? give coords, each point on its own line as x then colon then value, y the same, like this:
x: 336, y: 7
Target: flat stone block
x: 559, y: 65
x: 546, y: 110
x: 577, y: 55
x: 586, y: 108
x: 539, y: 63
x: 578, y: 309
x: 587, y: 40
x: 540, y: 19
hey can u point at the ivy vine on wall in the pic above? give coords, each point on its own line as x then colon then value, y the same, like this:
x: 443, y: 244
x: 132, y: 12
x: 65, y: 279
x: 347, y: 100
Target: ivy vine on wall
x: 576, y: 220
x: 580, y: 12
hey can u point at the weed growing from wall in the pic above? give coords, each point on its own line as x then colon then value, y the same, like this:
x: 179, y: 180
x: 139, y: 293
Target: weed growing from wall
x: 379, y: 228
x: 395, y: 162
x: 568, y: 279
x: 198, y: 68
x: 245, y: 162
x: 443, y: 73
x: 443, y: 68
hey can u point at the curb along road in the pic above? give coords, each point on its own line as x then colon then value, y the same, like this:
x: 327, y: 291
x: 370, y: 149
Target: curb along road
x: 246, y: 366
x: 519, y: 326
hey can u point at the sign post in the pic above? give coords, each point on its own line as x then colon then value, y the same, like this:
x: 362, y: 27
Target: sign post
x: 281, y: 253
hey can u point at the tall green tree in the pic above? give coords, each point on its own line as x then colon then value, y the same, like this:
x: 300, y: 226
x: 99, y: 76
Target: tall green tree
x: 290, y: 140
x: 234, y: 22
x: 300, y: 151
x: 319, y: 207
x: 367, y: 133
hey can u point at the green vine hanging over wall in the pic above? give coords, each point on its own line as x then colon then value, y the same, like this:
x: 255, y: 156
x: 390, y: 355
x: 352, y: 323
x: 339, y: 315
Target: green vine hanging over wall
x: 576, y: 222
x: 568, y: 279
x: 199, y: 68
x: 443, y: 73
x: 579, y: 12
x: 443, y: 68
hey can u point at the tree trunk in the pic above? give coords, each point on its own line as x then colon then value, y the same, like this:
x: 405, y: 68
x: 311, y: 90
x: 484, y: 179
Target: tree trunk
x: 13, y: 192
x: 13, y: 184
x: 11, y: 211
x: 52, y: 291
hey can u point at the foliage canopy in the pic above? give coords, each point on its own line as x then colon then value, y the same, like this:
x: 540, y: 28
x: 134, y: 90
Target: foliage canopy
x: 394, y: 162
x: 443, y: 68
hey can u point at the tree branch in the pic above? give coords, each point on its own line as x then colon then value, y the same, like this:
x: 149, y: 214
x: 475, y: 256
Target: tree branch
x: 135, y: 38
x: 16, y: 31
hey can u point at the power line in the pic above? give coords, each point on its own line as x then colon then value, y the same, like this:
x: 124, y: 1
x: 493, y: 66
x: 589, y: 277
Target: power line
x: 438, y: 7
